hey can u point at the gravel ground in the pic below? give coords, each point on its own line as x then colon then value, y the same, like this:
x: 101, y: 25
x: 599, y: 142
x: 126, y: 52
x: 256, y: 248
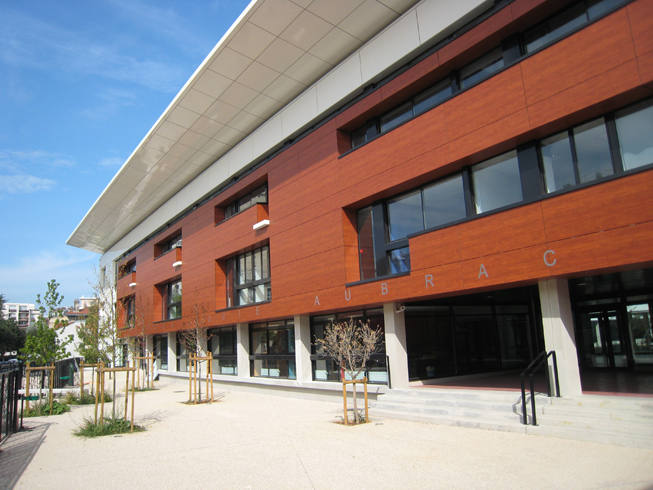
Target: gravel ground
x: 250, y: 440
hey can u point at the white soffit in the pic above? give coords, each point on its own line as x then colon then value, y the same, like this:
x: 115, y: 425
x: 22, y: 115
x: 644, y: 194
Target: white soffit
x: 276, y: 50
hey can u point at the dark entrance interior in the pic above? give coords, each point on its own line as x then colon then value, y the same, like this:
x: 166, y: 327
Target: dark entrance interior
x: 474, y: 334
x: 612, y: 314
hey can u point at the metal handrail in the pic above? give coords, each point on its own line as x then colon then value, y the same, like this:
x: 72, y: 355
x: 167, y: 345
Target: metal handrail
x: 541, y: 359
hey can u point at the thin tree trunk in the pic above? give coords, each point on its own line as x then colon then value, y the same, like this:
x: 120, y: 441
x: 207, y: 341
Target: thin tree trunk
x: 356, y: 420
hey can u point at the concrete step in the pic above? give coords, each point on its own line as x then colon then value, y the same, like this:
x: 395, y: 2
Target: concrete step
x: 598, y: 414
x: 599, y: 436
x: 643, y: 404
x: 457, y: 421
x: 456, y: 411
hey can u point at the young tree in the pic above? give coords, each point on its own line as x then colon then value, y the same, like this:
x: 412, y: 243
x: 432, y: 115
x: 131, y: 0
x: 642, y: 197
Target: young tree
x: 12, y: 337
x: 350, y: 344
x: 91, y: 337
x: 42, y: 344
x: 107, y: 325
x: 195, y: 335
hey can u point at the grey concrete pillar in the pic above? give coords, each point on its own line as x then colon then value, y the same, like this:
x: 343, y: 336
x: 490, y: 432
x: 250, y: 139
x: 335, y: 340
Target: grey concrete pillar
x: 558, y: 323
x: 242, y: 349
x: 395, y: 344
x: 303, y: 348
x: 172, y: 352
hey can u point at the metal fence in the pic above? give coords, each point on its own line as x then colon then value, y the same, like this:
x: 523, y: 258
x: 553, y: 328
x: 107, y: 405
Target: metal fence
x: 11, y: 379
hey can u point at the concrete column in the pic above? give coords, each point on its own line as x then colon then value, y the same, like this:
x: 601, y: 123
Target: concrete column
x: 558, y: 323
x: 303, y: 348
x: 242, y: 349
x: 172, y: 352
x: 395, y: 345
x: 149, y: 345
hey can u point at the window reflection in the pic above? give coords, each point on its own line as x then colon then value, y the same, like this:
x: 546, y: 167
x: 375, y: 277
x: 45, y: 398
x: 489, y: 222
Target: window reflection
x: 558, y: 162
x: 592, y: 151
x: 444, y: 202
x: 635, y: 130
x: 497, y: 182
x: 405, y: 215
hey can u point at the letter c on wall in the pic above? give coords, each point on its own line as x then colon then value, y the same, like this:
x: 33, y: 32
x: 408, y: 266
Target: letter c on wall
x: 550, y: 264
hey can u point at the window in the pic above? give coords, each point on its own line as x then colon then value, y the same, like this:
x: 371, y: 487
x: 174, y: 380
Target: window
x: 366, y: 243
x: 174, y: 242
x: 405, y: 215
x: 127, y: 268
x: 258, y: 196
x: 575, y: 156
x: 130, y: 311
x: 248, y: 278
x: 635, y: 131
x: 173, y: 300
x: 497, y: 182
x: 161, y: 351
x: 566, y: 21
x: 481, y: 68
x: 182, y: 353
x: 325, y: 368
x: 272, y: 348
x: 222, y: 345
x: 432, y: 97
x: 444, y: 202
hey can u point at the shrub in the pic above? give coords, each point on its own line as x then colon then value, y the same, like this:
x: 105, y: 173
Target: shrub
x: 42, y: 409
x: 110, y: 427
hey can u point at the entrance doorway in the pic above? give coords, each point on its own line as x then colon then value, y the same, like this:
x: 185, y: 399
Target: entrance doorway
x: 614, y: 334
x: 603, y: 337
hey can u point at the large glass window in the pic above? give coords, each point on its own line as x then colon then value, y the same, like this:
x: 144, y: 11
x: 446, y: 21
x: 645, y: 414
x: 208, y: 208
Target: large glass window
x: 171, y: 244
x: 173, y: 300
x: 555, y: 27
x: 161, y: 351
x: 592, y: 150
x: 272, y: 348
x: 635, y: 130
x: 366, y: 243
x: 326, y: 369
x: 444, y: 202
x: 130, y: 311
x: 432, y: 97
x: 405, y: 215
x: 497, y: 182
x: 222, y: 345
x: 248, y: 278
x: 558, y: 162
x: 396, y: 116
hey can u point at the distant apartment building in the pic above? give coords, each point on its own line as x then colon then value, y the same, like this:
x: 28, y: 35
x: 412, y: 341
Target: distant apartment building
x: 25, y: 314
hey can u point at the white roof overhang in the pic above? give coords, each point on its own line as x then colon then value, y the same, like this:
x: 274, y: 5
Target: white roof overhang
x: 275, y: 51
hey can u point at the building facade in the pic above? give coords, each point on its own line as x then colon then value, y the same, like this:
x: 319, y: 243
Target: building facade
x: 25, y: 314
x: 475, y: 180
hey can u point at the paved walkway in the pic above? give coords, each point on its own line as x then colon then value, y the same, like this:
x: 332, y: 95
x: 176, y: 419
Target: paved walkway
x: 263, y: 441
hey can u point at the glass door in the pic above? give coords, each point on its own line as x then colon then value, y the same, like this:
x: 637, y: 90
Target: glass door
x: 603, y: 339
x: 641, y: 333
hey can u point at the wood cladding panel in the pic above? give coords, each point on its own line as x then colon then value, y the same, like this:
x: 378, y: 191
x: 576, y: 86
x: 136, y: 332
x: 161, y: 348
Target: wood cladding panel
x: 321, y: 152
x: 434, y: 249
x: 355, y: 167
x: 614, y: 204
x: 596, y: 49
x: 490, y: 101
x: 645, y: 65
x: 641, y: 25
x: 502, y: 232
x: 283, y: 174
x: 593, y: 92
x: 421, y: 135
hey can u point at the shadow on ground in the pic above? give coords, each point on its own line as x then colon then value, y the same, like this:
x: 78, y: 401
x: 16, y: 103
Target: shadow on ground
x: 18, y: 451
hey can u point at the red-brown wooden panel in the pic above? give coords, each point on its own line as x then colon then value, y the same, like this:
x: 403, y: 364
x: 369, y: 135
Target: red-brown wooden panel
x: 504, y: 268
x: 322, y: 151
x: 528, y: 12
x: 490, y: 140
x: 624, y: 247
x: 582, y: 56
x: 645, y: 64
x: 490, y: 101
x: 640, y: 15
x: 509, y: 230
x: 568, y: 107
x: 435, y: 248
x: 357, y: 114
x: 416, y: 137
x: 414, y: 80
x: 355, y: 166
x: 614, y: 204
x: 283, y: 174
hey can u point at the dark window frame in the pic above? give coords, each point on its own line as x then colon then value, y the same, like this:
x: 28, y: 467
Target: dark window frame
x: 170, y: 302
x: 216, y: 335
x: 238, y: 205
x: 233, y: 275
x: 288, y: 356
x: 161, y: 355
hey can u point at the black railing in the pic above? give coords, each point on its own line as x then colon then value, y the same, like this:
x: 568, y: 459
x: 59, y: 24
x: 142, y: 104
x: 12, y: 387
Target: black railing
x: 538, y: 362
x: 11, y: 378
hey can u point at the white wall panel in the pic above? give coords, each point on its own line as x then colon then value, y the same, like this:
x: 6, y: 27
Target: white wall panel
x: 267, y: 136
x: 338, y: 84
x: 438, y: 18
x: 389, y: 47
x: 295, y: 115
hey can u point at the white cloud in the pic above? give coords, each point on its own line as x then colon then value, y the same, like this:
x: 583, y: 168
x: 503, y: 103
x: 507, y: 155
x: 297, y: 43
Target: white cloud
x: 29, y: 42
x: 112, y: 162
x: 21, y: 184
x: 28, y: 276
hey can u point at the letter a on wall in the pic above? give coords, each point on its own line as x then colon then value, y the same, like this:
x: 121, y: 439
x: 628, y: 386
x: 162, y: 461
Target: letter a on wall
x: 482, y: 272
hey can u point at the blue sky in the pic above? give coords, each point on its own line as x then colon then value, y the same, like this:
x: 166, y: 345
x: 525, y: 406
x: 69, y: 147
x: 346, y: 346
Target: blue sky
x: 81, y: 83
